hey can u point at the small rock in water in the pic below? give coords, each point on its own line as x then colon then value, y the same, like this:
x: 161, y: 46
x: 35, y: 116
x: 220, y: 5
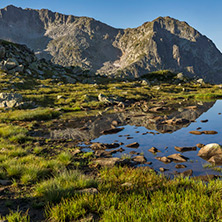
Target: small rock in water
x: 204, y: 121
x: 133, y: 152
x: 177, y: 157
x: 185, y: 149
x: 154, y: 150
x: 129, y: 137
x: 198, y: 128
x: 164, y: 159
x: 200, y: 145
x: 179, y: 166
x: 186, y: 173
x: 103, y: 146
x: 212, y: 132
x: 163, y: 169
x: 195, y: 132
x: 139, y: 159
x: 133, y: 145
x: 121, y: 150
x: 148, y: 163
x: 112, y: 131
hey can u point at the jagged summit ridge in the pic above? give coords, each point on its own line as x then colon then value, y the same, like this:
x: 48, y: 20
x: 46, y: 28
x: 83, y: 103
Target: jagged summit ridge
x: 164, y: 43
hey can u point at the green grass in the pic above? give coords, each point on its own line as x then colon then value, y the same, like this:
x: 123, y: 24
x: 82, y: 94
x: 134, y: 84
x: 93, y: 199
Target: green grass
x: 30, y: 115
x: 149, y: 198
x: 65, y: 158
x: 64, y: 185
x: 14, y: 133
x: 16, y: 216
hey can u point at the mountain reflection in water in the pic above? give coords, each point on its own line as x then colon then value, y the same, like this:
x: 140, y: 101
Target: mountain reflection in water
x: 151, y: 121
x: 163, y: 131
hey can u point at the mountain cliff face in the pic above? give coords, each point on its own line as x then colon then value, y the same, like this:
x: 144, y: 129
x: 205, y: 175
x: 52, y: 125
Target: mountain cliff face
x: 164, y: 43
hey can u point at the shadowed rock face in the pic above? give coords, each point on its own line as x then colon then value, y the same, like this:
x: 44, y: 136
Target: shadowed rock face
x: 93, y: 128
x: 164, y: 43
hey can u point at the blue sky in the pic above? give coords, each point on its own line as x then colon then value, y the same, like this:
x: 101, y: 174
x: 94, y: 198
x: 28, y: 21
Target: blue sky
x: 204, y: 15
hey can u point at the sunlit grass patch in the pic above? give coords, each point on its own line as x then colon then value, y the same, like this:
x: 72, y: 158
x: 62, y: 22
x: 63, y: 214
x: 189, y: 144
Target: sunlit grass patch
x: 16, y: 216
x: 27, y: 169
x: 152, y: 199
x: 29, y: 115
x: 8, y: 131
x: 64, y: 185
x: 64, y: 158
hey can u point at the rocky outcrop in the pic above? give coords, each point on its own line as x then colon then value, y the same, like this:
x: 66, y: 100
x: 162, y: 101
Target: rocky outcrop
x: 21, y: 64
x: 14, y: 100
x: 164, y: 43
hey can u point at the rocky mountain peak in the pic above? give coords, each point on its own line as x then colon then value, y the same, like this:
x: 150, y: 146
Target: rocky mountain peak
x: 164, y: 43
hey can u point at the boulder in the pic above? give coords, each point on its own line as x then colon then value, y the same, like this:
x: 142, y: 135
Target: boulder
x: 180, y: 76
x: 200, y: 81
x: 217, y: 159
x: 107, y: 162
x: 210, y: 150
x: 10, y: 100
x: 70, y: 80
x: 103, y: 98
x: 145, y: 82
x: 111, y: 162
x: 11, y: 63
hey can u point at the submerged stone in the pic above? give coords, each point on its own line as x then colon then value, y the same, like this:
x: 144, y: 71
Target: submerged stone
x: 185, y: 149
x: 133, y: 145
x: 164, y: 159
x: 154, y: 150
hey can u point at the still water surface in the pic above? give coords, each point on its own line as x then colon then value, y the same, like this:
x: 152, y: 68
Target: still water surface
x: 166, y: 142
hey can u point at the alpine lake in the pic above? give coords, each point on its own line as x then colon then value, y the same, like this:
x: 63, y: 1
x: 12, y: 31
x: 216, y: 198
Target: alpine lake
x: 135, y: 133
